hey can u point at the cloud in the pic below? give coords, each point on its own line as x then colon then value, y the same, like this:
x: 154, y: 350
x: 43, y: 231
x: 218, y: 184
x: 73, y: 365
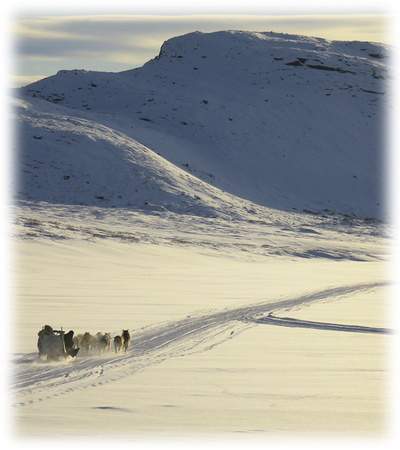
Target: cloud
x: 76, y: 47
x: 148, y: 32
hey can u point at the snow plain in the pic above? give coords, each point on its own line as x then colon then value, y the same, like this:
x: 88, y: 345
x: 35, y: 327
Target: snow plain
x: 200, y: 364
x: 139, y: 204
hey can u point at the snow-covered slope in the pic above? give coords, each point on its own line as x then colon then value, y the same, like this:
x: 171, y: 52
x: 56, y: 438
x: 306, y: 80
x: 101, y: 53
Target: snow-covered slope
x: 73, y: 160
x: 281, y: 121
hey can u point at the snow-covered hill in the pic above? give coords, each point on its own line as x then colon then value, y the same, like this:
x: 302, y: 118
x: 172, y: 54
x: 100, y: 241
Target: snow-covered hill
x: 68, y: 159
x: 214, y: 122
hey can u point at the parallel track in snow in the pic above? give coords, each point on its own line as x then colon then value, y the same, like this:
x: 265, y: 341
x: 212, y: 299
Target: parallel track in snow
x: 35, y: 381
x: 296, y: 323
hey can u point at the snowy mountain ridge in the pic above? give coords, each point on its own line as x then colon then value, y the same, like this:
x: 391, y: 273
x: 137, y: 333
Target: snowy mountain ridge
x: 217, y: 123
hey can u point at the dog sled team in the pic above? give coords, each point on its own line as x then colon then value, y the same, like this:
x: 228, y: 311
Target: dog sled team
x: 55, y: 344
x: 101, y: 342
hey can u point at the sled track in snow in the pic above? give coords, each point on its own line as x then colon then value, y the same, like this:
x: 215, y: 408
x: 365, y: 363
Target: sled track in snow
x: 34, y: 381
x: 296, y: 323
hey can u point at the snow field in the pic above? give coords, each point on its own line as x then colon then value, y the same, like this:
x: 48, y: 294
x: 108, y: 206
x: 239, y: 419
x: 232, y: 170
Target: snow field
x: 91, y: 286
x: 259, y: 379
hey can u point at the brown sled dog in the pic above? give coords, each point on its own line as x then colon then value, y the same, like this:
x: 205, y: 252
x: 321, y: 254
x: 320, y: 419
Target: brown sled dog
x: 126, y: 339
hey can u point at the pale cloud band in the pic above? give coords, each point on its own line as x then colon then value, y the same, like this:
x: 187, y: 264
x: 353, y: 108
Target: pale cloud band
x: 44, y: 45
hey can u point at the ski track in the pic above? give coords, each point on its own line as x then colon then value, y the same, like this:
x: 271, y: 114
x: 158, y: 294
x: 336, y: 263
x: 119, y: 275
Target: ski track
x: 35, y: 381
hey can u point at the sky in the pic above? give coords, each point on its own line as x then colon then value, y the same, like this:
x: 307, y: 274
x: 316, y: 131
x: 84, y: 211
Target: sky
x: 45, y: 39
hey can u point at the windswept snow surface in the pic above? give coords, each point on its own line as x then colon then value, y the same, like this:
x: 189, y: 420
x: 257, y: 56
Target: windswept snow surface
x: 200, y: 364
x: 235, y: 180
x: 192, y: 292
